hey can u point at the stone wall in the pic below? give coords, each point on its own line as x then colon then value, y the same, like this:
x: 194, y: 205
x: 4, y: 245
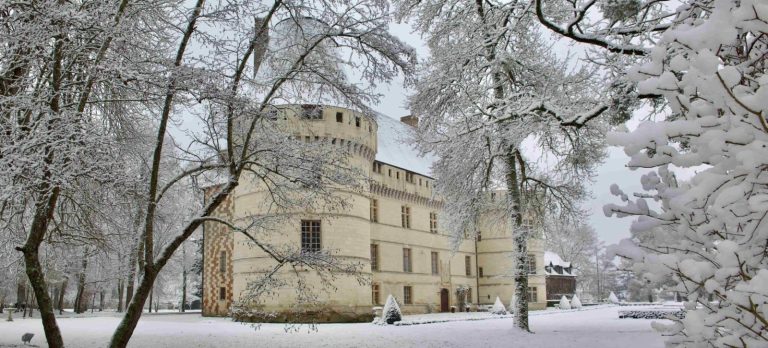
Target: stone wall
x: 218, y: 238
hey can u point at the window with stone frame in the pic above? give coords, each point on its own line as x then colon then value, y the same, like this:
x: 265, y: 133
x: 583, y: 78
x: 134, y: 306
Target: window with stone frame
x: 468, y: 265
x: 374, y: 210
x: 375, y: 294
x: 433, y: 222
x: 407, y: 262
x: 435, y: 258
x: 222, y: 293
x: 374, y: 257
x: 532, y: 294
x: 223, y: 262
x: 407, y: 295
x: 531, y: 264
x: 405, y: 216
x: 310, y: 236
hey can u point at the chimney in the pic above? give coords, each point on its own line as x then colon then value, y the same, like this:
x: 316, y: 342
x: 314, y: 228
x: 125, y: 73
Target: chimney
x: 410, y: 120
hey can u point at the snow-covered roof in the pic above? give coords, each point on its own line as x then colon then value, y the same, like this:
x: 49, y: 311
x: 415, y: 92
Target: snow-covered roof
x: 553, y: 260
x: 394, y: 146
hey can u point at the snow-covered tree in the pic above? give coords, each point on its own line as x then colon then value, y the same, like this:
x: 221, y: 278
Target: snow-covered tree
x: 613, y: 299
x: 564, y: 303
x: 575, y: 302
x: 707, y: 60
x: 391, y: 312
x: 78, y: 83
x: 498, y: 307
x: 491, y: 87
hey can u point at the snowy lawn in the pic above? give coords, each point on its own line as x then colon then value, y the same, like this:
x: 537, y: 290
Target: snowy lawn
x: 593, y: 327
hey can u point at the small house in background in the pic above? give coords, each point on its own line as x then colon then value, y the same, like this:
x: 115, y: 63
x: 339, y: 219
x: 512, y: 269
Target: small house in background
x: 559, y: 278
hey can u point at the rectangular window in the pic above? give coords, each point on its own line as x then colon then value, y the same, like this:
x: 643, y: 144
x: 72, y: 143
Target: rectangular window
x: 407, y: 295
x: 375, y: 297
x: 407, y: 260
x: 222, y: 293
x: 374, y: 210
x: 312, y: 111
x: 433, y: 222
x: 397, y: 175
x: 480, y: 272
x: 435, y: 263
x: 531, y: 264
x: 357, y: 121
x: 339, y: 117
x: 223, y: 262
x: 390, y: 172
x: 419, y: 181
x: 409, y: 177
x: 532, y: 294
x: 374, y: 257
x: 468, y: 265
x: 310, y: 236
x: 405, y: 216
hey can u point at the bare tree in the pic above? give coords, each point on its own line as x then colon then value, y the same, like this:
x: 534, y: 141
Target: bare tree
x: 491, y: 88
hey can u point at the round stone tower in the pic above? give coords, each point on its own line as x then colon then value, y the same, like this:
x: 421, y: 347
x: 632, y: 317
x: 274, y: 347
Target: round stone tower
x: 346, y: 232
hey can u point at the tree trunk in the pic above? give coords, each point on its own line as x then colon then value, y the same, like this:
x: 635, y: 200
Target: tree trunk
x: 520, y: 235
x: 184, y: 291
x: 133, y: 312
x: 120, y: 290
x: 26, y: 302
x: 134, y: 257
x: 36, y: 278
x: 81, y: 304
x: 183, y: 278
x: 62, y: 291
x: 31, y: 305
x: 151, y: 293
x: 101, y: 300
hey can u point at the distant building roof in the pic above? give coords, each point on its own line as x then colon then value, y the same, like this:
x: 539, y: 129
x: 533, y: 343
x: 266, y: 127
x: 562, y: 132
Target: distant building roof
x: 395, y: 148
x: 554, y: 265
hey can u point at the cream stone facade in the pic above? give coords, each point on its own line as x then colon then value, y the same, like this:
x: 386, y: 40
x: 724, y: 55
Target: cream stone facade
x: 391, y: 227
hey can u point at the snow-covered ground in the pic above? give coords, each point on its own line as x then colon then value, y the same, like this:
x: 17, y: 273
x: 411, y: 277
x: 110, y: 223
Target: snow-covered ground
x: 592, y: 327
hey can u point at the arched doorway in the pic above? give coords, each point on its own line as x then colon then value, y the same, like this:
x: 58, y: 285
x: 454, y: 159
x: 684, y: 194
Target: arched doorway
x: 445, y: 300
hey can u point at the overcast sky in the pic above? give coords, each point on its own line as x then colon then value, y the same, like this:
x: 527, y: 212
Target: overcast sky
x: 613, y: 170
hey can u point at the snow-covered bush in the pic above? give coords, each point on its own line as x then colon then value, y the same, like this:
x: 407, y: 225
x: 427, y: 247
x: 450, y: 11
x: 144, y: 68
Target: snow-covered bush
x: 498, y: 307
x: 709, y: 233
x: 391, y: 312
x: 613, y: 299
x: 651, y: 314
x: 564, y: 303
x: 575, y: 302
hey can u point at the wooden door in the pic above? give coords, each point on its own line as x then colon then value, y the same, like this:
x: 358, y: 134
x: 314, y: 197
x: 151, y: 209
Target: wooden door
x: 444, y: 300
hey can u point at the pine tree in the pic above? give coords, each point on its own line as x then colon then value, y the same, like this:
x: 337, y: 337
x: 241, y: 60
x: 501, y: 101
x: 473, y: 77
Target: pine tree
x: 498, y: 307
x: 391, y: 312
